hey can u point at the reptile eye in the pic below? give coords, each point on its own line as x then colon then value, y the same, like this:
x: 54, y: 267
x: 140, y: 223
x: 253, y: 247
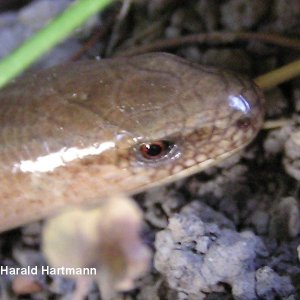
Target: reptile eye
x: 243, y: 123
x: 155, y: 150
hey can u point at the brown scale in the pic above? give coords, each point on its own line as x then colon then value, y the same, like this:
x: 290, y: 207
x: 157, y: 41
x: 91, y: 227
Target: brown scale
x: 72, y: 134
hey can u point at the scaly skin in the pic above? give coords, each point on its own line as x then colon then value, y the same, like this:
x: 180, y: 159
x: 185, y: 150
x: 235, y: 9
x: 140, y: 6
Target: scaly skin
x: 70, y: 135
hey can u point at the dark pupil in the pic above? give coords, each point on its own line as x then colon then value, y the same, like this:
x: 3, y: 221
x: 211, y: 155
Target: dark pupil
x: 154, y: 149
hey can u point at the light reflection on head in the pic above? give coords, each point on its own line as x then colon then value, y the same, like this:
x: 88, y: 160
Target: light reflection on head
x: 239, y: 103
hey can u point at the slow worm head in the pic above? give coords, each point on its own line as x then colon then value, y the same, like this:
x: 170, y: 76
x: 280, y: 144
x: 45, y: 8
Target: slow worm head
x: 77, y: 133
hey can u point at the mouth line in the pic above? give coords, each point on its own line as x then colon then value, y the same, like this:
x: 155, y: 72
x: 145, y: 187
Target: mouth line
x: 187, y: 172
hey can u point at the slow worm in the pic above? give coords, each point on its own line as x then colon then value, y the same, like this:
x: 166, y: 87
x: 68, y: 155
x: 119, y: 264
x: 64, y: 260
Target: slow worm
x: 77, y: 133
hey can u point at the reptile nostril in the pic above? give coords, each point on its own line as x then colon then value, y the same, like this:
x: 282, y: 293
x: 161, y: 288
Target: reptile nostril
x: 243, y: 123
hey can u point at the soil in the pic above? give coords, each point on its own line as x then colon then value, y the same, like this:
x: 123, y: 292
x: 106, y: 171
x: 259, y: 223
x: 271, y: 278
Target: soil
x: 231, y: 232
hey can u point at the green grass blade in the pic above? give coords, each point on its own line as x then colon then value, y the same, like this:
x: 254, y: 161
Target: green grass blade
x: 45, y: 39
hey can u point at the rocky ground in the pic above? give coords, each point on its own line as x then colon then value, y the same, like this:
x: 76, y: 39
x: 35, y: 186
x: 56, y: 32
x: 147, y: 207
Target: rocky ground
x: 229, y: 232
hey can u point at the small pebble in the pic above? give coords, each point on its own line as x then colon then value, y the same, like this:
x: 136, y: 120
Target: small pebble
x: 270, y: 284
x: 241, y: 14
x: 291, y: 160
x: 285, y: 220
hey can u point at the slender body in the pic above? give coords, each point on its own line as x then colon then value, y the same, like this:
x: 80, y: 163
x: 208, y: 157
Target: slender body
x: 77, y: 133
